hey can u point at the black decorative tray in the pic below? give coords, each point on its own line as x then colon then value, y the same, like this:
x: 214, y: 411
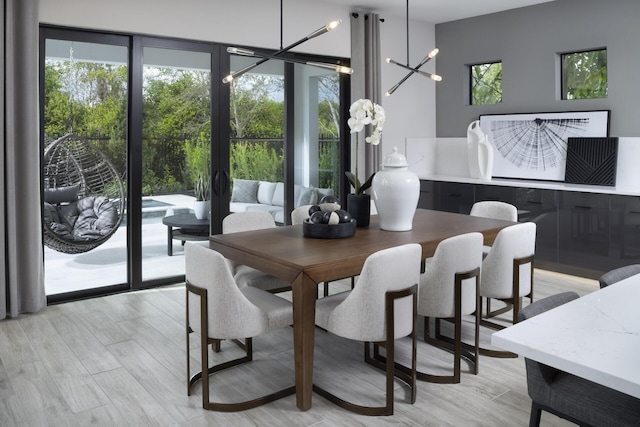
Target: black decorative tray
x: 329, y: 231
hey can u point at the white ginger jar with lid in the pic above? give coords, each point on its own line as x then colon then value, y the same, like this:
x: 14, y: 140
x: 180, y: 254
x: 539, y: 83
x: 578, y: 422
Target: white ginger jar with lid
x: 395, y: 190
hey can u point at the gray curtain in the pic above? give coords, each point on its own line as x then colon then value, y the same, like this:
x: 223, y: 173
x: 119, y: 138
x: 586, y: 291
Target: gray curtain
x: 365, y: 81
x: 22, y: 276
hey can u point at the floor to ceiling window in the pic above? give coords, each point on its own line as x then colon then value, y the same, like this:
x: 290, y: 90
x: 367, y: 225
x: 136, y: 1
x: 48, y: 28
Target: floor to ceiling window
x: 144, y: 126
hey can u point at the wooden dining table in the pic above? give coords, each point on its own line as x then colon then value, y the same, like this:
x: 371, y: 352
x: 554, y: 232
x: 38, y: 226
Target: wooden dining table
x: 305, y: 262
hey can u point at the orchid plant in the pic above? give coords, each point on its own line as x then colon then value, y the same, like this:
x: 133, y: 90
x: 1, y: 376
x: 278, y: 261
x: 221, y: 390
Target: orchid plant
x: 363, y: 112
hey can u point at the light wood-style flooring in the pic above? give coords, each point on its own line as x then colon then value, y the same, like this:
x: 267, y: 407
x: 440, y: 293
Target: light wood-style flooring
x: 120, y: 360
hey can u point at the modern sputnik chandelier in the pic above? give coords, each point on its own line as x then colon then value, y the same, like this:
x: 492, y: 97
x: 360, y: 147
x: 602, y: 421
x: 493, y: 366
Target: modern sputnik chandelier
x: 416, y: 69
x: 266, y: 56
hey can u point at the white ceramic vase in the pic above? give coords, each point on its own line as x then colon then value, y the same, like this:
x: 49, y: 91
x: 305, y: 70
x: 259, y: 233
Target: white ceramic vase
x: 479, y: 152
x: 395, y: 190
x: 201, y: 209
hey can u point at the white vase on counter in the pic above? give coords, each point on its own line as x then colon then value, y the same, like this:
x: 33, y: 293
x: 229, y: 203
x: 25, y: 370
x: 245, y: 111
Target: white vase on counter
x: 395, y: 190
x: 479, y: 152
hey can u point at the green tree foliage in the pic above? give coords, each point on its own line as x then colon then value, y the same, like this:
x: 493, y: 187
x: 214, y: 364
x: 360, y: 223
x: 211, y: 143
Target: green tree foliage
x: 259, y: 160
x: 197, y: 159
x: 329, y: 108
x: 584, y: 75
x: 486, y: 83
x: 176, y: 111
x: 254, y: 112
x: 91, y: 98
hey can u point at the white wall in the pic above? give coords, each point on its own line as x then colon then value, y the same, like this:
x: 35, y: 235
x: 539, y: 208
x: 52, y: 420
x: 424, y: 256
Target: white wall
x: 410, y: 111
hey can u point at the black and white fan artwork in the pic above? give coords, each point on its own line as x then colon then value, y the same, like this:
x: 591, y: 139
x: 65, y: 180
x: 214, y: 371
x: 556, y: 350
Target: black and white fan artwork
x: 538, y: 144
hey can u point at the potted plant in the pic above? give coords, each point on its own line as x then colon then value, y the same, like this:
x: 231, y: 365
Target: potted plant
x: 197, y: 158
x: 363, y: 112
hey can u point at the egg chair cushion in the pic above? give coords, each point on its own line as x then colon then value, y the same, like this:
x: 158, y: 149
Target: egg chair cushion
x: 97, y: 216
x: 89, y: 218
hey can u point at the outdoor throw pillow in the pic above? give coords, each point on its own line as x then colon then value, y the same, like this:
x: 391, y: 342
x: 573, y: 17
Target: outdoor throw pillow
x: 308, y: 196
x: 61, y: 194
x: 244, y: 191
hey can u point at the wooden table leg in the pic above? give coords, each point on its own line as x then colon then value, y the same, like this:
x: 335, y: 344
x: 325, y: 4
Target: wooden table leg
x: 304, y: 292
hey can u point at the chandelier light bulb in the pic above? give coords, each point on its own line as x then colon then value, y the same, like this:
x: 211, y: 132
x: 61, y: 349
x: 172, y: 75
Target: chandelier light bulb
x: 240, y: 51
x: 333, y: 24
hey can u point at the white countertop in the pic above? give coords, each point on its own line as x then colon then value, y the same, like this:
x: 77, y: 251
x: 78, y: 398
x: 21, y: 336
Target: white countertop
x: 546, y: 185
x: 596, y: 337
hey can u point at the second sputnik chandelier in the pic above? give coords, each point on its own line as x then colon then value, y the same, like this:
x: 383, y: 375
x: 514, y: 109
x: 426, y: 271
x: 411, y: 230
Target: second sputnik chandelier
x: 416, y: 69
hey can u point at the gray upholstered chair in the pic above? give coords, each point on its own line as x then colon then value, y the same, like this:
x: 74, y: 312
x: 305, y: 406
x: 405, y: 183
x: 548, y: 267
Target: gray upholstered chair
x: 568, y: 396
x: 218, y: 309
x: 621, y: 273
x: 381, y: 309
x: 248, y: 276
x: 507, y: 274
x: 449, y: 289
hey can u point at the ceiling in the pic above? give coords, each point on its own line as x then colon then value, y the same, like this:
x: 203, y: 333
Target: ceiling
x: 435, y: 11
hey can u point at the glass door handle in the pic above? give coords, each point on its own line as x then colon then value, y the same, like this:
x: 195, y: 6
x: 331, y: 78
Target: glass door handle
x: 225, y: 185
x: 216, y: 182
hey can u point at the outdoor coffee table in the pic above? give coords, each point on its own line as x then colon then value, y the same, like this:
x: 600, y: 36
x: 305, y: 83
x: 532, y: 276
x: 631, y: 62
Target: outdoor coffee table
x: 185, y: 227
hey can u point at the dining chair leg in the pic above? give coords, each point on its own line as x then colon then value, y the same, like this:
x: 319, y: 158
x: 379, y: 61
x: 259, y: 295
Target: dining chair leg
x: 455, y: 345
x: 206, y: 371
x: 389, y: 366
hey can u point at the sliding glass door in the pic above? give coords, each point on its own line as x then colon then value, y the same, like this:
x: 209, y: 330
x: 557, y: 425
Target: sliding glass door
x: 176, y: 147
x: 85, y: 151
x: 135, y: 130
x: 285, y: 147
x: 317, y: 153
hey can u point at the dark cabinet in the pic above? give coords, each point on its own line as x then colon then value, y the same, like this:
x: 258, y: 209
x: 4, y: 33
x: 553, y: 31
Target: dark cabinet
x: 583, y: 223
x: 454, y: 197
x: 495, y: 193
x: 541, y: 207
x: 427, y: 195
x: 624, y: 236
x: 577, y: 232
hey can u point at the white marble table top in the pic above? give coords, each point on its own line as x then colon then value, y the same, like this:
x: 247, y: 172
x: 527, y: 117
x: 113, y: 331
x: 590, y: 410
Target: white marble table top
x: 596, y: 337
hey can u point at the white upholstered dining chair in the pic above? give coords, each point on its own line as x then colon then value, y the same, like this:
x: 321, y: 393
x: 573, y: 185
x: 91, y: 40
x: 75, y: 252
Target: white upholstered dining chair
x: 381, y: 309
x: 507, y: 273
x: 299, y: 214
x: 449, y: 289
x: 245, y: 275
x: 495, y: 210
x: 218, y: 309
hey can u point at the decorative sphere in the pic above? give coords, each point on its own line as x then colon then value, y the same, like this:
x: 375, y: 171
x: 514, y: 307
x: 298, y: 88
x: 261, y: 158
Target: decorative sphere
x: 314, y: 208
x: 329, y: 199
x: 317, y: 217
x: 330, y: 218
x: 343, y: 216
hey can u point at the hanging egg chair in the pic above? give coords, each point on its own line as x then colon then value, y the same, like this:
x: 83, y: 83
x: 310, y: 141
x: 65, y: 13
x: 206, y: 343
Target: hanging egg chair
x: 84, y: 197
